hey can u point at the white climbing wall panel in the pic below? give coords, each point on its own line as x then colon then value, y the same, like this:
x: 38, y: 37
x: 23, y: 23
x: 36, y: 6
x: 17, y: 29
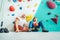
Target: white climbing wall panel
x: 20, y: 7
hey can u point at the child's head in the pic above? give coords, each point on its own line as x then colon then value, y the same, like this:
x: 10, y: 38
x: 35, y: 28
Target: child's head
x: 34, y: 19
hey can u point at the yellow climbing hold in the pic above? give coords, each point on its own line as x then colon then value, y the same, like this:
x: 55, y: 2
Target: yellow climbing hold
x: 35, y: 5
x: 24, y: 0
x: 28, y: 6
x: 18, y: 4
x: 29, y: 17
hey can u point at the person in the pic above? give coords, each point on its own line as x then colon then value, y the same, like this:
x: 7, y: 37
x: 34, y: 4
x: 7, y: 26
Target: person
x: 21, y: 24
x: 36, y: 26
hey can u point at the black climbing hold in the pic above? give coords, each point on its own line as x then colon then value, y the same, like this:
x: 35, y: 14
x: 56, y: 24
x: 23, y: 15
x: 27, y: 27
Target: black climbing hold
x: 56, y: 15
x: 49, y: 13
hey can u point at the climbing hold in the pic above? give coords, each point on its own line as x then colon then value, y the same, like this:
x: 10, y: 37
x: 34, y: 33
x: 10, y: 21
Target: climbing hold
x: 51, y: 4
x: 18, y: 4
x: 11, y: 8
x: 55, y: 20
x: 13, y: 14
x: 46, y: 20
x: 20, y: 8
x: 35, y: 5
x: 56, y: 15
x: 28, y: 0
x: 14, y: 0
x: 33, y: 10
x: 29, y: 18
x: 23, y: 0
x: 28, y: 6
x: 49, y: 13
x: 20, y: 0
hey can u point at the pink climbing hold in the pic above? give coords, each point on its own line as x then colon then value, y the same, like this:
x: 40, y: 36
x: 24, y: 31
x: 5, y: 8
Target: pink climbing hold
x: 55, y: 19
x: 51, y: 4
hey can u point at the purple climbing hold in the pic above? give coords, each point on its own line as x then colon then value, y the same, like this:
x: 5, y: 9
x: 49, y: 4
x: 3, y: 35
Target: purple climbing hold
x: 51, y: 4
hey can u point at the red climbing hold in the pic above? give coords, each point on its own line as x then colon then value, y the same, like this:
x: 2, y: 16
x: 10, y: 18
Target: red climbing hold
x: 51, y: 4
x: 11, y: 8
x: 28, y: 0
x: 20, y: 0
x: 54, y: 19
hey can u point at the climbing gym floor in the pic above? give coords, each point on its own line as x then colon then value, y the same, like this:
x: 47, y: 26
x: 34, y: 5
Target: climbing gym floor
x: 30, y: 36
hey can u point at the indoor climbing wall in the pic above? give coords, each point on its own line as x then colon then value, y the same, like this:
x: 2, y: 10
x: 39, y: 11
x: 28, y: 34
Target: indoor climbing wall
x: 47, y: 11
x: 15, y: 8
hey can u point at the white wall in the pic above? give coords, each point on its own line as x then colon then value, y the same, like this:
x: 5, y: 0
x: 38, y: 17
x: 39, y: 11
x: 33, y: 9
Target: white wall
x: 1, y: 16
x: 7, y: 15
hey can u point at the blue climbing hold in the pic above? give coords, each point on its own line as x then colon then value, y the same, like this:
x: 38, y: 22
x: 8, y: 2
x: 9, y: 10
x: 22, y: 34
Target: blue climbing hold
x: 14, y: 0
x: 13, y: 14
x: 20, y: 8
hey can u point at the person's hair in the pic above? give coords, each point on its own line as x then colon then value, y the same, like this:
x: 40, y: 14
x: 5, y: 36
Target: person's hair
x: 34, y: 18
